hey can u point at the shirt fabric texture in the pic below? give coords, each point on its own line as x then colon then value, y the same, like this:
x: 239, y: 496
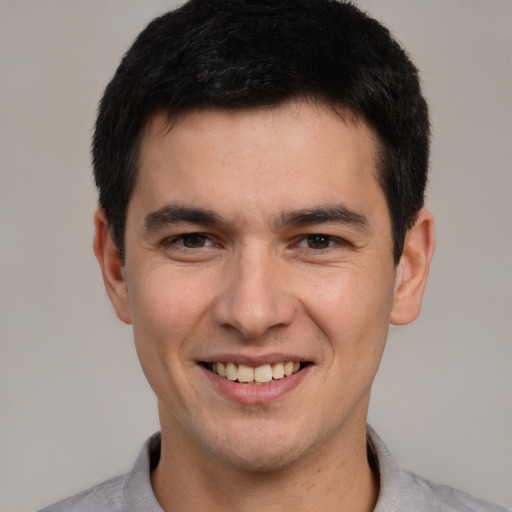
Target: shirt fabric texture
x: 400, y: 490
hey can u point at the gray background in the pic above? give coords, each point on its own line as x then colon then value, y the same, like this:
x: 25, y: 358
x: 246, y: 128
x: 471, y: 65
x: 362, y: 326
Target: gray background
x: 74, y: 404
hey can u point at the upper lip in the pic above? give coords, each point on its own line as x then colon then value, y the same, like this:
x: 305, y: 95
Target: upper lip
x: 254, y: 360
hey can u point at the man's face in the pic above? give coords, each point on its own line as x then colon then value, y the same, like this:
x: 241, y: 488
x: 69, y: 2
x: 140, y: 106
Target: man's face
x: 259, y: 238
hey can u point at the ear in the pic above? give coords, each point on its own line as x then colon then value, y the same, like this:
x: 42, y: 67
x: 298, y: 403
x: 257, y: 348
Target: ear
x: 413, y: 268
x: 111, y: 266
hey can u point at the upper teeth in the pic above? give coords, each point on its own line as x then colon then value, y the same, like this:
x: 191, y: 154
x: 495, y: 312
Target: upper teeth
x: 261, y: 374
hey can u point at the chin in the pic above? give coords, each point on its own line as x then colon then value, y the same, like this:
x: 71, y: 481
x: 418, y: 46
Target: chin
x: 259, y: 461
x: 260, y: 452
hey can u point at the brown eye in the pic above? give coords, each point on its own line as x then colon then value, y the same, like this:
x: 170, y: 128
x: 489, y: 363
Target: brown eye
x: 318, y: 241
x: 194, y: 240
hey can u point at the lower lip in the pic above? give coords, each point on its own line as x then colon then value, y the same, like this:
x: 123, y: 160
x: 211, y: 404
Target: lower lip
x: 253, y: 394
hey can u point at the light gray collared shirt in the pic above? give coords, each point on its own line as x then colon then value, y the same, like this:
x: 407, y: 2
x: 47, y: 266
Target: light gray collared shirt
x: 400, y: 490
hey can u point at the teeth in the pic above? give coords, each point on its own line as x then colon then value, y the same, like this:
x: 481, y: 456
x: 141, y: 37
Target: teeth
x: 260, y: 375
x: 231, y: 371
x: 288, y: 369
x: 263, y: 373
x: 245, y: 373
x: 278, y: 371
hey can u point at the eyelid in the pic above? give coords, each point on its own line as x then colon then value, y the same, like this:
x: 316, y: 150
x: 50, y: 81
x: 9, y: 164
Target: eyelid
x: 333, y: 241
x: 304, y: 241
x: 174, y: 240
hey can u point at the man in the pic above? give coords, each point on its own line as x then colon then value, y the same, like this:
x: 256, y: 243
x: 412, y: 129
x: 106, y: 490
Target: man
x: 261, y: 167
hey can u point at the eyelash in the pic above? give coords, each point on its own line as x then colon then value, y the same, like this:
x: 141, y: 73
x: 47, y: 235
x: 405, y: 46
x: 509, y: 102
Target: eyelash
x: 187, y: 236
x: 331, y: 241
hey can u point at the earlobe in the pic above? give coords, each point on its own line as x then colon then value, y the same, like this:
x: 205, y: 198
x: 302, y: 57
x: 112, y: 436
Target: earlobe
x: 111, y: 266
x: 413, y: 268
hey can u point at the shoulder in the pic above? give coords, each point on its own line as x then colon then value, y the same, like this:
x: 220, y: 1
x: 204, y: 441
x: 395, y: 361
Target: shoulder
x: 130, y: 492
x: 104, y: 497
x: 428, y: 496
x: 403, y: 491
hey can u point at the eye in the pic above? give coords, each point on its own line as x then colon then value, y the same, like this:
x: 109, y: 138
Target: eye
x: 316, y: 241
x: 192, y: 240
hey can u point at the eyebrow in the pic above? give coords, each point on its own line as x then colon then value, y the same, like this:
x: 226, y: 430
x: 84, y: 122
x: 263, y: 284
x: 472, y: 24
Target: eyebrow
x: 338, y: 214
x: 172, y: 214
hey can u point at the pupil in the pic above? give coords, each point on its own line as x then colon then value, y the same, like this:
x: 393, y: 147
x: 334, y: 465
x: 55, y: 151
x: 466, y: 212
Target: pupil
x: 193, y: 241
x: 318, y: 241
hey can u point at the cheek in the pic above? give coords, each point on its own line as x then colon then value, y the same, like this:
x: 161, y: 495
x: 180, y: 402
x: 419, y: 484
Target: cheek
x: 166, y: 308
x: 167, y: 313
x: 352, y: 308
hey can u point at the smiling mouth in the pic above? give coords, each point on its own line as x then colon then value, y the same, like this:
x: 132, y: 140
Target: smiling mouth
x: 263, y: 374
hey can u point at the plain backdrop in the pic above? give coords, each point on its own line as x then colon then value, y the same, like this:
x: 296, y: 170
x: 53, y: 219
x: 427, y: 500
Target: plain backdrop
x: 74, y: 405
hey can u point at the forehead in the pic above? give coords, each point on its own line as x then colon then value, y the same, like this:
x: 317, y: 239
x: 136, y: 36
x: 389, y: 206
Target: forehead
x: 294, y: 155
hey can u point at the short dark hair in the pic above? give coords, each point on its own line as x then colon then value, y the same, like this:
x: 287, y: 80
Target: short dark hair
x: 238, y: 54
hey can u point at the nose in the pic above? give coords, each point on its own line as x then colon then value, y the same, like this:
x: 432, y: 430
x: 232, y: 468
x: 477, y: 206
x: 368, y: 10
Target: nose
x: 254, y: 299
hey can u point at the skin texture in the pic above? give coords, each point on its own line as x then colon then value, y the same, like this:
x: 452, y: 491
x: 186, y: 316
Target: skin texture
x: 256, y: 287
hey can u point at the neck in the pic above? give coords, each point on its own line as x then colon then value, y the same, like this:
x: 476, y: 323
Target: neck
x: 335, y: 477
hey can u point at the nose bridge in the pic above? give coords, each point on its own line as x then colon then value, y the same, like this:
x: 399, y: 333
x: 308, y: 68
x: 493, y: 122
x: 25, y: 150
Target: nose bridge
x: 255, y: 298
